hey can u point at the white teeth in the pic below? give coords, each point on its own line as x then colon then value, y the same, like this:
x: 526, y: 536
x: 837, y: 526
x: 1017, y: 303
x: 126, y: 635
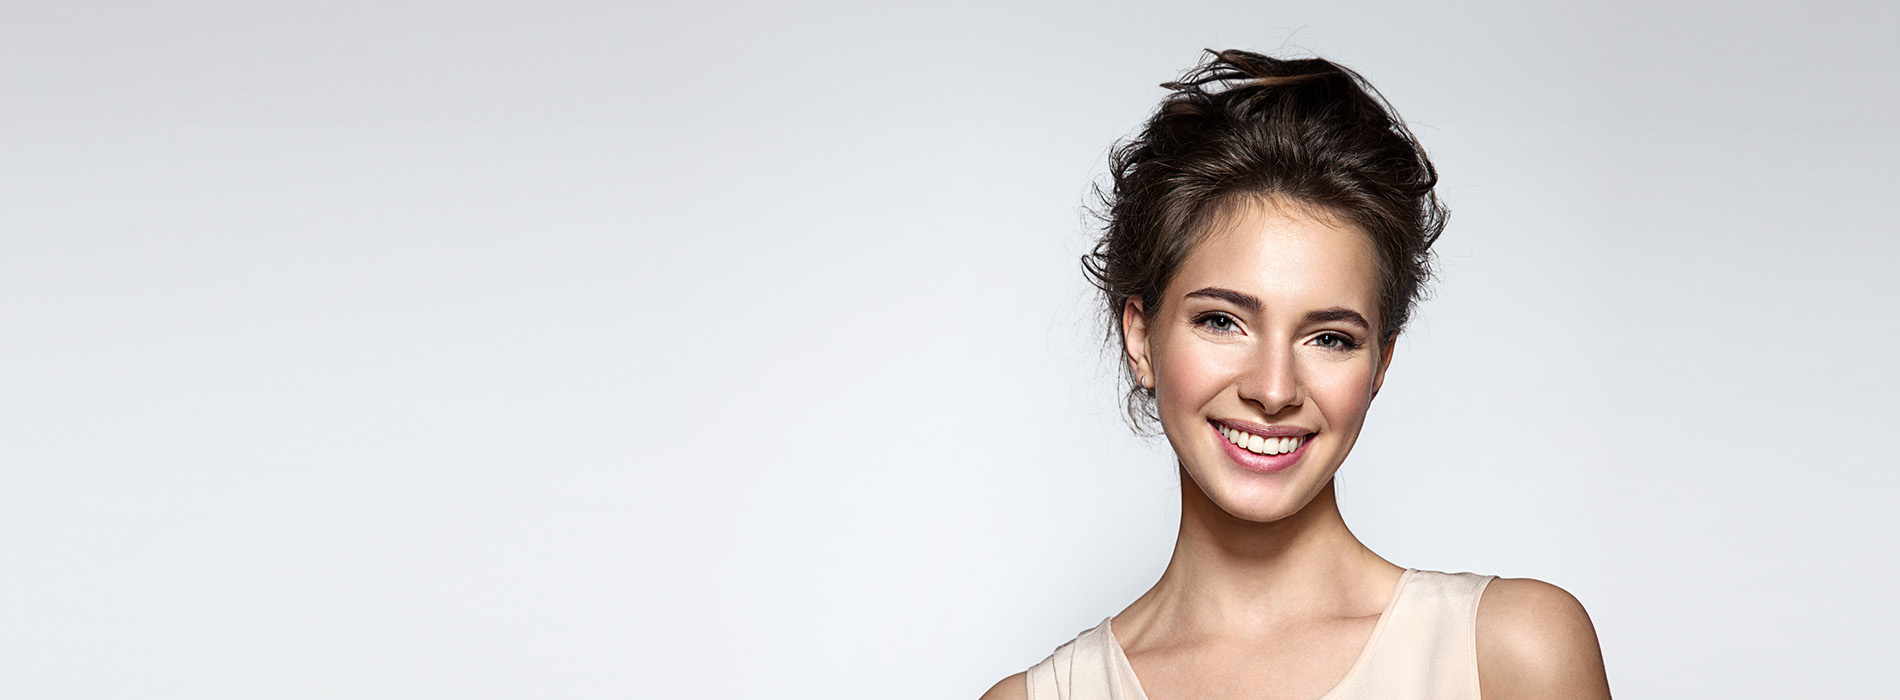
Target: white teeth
x: 1259, y: 444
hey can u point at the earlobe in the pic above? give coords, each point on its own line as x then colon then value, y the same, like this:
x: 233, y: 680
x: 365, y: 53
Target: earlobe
x: 1385, y: 362
x: 1135, y: 342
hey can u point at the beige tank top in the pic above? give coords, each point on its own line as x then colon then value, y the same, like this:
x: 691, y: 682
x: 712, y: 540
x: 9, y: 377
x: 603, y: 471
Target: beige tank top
x: 1425, y: 645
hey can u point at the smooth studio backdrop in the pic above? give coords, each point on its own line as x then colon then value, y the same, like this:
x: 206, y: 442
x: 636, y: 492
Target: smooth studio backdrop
x: 641, y: 350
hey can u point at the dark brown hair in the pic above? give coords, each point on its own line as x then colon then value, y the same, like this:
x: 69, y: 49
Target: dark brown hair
x: 1242, y: 125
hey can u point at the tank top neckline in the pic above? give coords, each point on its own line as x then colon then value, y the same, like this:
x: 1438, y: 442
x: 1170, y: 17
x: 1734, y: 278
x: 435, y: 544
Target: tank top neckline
x: 1365, y: 653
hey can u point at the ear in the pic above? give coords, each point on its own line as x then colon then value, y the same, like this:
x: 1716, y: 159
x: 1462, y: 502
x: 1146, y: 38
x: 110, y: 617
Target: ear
x: 1385, y: 362
x: 1135, y: 342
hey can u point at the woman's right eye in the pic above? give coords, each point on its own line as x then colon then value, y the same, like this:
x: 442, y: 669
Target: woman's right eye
x: 1219, y: 323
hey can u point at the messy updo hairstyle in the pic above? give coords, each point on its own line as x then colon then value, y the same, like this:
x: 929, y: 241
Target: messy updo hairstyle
x: 1242, y: 126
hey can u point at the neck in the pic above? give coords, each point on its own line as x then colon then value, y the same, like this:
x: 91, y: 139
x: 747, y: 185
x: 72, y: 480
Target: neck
x: 1234, y: 576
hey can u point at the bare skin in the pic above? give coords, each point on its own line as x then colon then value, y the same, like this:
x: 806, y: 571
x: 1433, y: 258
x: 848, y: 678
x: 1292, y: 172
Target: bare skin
x: 1256, y: 610
x: 1268, y: 595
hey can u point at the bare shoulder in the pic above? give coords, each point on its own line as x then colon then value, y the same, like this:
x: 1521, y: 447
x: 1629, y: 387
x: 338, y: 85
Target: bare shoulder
x: 1536, y: 641
x: 1012, y: 688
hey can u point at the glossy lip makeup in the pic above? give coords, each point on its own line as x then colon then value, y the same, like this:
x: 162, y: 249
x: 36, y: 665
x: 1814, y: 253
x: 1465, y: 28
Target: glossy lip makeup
x: 1266, y: 439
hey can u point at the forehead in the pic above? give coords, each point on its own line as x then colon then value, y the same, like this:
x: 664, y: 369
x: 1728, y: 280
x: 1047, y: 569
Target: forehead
x: 1288, y: 255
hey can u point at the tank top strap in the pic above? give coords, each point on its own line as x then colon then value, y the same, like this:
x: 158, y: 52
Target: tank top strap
x: 1428, y: 648
x: 1089, y: 667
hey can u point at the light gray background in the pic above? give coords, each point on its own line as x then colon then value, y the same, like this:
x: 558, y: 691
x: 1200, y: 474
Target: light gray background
x: 597, y: 350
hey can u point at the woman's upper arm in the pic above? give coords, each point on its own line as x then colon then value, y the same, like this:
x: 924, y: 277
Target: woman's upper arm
x: 1012, y: 688
x: 1536, y: 641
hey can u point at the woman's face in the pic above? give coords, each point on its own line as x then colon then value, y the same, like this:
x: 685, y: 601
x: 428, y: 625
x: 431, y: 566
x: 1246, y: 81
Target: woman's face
x: 1264, y: 356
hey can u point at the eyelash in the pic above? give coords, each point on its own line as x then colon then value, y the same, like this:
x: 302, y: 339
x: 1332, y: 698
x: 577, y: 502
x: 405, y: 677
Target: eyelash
x: 1345, y: 342
x: 1207, y: 320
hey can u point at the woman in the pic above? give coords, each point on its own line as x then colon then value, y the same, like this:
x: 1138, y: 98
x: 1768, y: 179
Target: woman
x: 1267, y: 236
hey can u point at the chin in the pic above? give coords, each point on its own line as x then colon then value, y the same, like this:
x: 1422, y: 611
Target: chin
x: 1259, y: 515
x: 1259, y: 503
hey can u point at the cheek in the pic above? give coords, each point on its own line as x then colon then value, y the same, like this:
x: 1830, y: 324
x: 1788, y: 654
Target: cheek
x: 1188, y: 375
x: 1344, y: 396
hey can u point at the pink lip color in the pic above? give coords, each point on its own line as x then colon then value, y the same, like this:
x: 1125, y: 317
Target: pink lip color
x: 1264, y: 464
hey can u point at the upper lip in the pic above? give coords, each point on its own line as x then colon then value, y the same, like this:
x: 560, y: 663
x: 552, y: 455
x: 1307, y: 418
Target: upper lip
x: 1272, y: 431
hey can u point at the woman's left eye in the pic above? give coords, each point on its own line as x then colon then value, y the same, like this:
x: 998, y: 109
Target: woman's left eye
x: 1336, y: 341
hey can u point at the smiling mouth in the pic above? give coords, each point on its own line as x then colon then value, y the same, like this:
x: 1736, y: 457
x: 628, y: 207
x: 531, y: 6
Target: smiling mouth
x: 1258, y: 444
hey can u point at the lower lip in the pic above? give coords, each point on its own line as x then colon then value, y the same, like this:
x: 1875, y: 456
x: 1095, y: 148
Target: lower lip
x: 1264, y: 464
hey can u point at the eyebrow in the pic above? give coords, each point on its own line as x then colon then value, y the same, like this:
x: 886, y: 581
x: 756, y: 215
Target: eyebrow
x: 1240, y: 299
x: 1251, y: 303
x: 1338, y: 315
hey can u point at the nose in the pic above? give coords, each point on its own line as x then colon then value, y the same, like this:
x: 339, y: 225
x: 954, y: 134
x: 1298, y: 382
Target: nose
x: 1272, y: 379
